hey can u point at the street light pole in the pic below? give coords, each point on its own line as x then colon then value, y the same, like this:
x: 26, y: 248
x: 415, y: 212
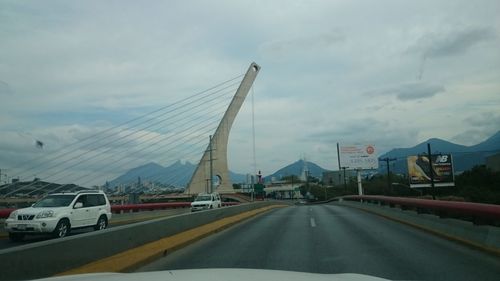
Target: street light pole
x: 211, y: 166
x: 387, y: 160
x: 345, y: 181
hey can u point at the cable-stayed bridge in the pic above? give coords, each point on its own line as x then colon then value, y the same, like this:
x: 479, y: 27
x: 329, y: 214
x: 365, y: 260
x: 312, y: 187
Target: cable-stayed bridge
x: 181, y: 130
x: 365, y: 234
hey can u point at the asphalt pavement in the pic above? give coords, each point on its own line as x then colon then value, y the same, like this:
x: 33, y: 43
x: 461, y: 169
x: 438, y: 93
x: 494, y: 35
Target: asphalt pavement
x: 334, y: 239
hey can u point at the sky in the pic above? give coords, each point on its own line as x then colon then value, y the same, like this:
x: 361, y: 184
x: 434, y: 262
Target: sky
x: 388, y: 73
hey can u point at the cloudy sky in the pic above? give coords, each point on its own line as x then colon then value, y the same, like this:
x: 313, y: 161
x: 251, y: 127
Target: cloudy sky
x: 390, y: 73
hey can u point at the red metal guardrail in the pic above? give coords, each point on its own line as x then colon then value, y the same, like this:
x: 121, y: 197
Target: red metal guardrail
x: 4, y: 213
x: 475, y: 210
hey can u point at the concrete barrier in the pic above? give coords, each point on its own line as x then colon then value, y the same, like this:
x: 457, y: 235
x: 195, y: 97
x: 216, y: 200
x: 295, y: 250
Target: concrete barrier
x: 485, y: 237
x: 43, y: 259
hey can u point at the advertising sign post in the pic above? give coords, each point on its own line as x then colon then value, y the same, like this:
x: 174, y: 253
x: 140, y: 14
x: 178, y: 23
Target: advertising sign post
x: 357, y: 157
x: 419, y: 170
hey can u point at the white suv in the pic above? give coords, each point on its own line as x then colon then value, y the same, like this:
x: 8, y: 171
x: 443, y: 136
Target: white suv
x: 206, y: 201
x: 59, y: 213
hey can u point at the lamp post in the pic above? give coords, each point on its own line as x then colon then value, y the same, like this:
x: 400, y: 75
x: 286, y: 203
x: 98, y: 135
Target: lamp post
x: 387, y: 161
x: 345, y: 180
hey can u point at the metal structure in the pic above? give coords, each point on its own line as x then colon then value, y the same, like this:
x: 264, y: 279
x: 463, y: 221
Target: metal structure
x: 213, y: 163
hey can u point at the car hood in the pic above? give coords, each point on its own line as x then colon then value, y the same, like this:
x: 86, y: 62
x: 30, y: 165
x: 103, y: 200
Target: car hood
x: 201, y: 202
x: 31, y: 210
x: 219, y: 274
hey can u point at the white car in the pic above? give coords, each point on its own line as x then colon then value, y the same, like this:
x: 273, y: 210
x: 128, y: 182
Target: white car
x: 58, y: 213
x: 206, y: 201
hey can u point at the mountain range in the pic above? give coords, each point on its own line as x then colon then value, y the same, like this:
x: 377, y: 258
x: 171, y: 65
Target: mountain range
x: 178, y: 174
x: 464, y: 157
x: 296, y: 168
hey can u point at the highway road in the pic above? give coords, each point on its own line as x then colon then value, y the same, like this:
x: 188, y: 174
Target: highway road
x: 334, y: 239
x: 117, y: 219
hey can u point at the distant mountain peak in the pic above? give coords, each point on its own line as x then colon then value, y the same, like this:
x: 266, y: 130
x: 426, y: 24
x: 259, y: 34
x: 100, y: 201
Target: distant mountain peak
x: 177, y: 174
x: 464, y: 157
x: 296, y: 169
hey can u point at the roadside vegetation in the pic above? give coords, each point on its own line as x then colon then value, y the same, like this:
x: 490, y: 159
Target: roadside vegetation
x: 480, y: 184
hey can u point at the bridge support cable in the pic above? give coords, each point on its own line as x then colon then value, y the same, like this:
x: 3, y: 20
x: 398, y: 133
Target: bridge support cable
x: 95, y: 138
x: 112, y: 141
x: 201, y: 107
x: 102, y: 153
x: 196, y: 150
x: 115, y: 167
x: 178, y: 134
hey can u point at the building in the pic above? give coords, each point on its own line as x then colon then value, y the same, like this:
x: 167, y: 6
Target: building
x: 283, y: 191
x: 336, y: 178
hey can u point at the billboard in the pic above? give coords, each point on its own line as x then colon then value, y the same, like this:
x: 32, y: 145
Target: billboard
x: 419, y: 170
x: 358, y: 157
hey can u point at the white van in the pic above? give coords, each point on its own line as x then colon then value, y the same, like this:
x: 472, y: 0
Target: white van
x: 205, y: 201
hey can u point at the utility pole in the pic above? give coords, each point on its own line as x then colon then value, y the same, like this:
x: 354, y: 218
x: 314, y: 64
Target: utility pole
x: 387, y: 161
x: 345, y: 181
x: 338, y: 158
x: 431, y: 171
x: 211, y: 186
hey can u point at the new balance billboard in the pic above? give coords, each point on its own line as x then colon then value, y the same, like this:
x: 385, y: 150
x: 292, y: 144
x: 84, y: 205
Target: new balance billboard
x: 419, y: 170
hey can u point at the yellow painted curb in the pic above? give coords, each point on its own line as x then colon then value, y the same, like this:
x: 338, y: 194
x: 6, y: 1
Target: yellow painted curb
x: 134, y: 258
x: 466, y: 242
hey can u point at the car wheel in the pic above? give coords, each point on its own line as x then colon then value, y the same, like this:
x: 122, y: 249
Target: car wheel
x: 16, y: 237
x: 102, y: 223
x: 62, y: 229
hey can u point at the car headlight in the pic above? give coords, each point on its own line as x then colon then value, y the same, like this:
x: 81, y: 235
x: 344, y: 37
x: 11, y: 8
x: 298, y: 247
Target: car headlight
x: 13, y: 215
x: 45, y: 214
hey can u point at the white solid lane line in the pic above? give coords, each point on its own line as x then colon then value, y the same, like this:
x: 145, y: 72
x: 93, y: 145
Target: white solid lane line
x: 313, y: 222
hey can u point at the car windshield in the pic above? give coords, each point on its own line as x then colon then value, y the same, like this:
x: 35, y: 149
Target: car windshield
x: 55, y: 201
x: 203, y: 198
x: 324, y: 136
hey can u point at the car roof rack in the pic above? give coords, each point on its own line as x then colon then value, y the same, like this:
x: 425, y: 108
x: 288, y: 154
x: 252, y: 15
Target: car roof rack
x: 89, y: 191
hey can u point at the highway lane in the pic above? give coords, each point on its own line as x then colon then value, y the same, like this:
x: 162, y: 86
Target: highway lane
x: 116, y: 220
x: 334, y: 239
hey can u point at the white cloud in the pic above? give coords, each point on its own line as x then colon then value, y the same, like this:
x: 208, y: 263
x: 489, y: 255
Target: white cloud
x: 410, y: 91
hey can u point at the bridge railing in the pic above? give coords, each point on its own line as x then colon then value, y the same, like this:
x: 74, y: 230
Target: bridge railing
x: 156, y: 206
x: 4, y: 213
x: 478, y: 213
